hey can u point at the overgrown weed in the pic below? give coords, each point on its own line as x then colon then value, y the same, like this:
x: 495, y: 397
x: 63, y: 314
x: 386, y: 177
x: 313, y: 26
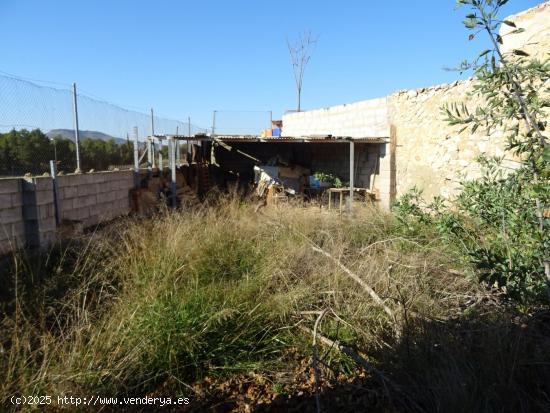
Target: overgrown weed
x: 221, y: 289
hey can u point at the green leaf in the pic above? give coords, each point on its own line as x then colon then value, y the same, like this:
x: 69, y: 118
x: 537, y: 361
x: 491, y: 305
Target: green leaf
x: 509, y: 23
x: 470, y: 23
x: 483, y: 53
x: 546, y: 154
x: 520, y: 52
x: 502, y: 2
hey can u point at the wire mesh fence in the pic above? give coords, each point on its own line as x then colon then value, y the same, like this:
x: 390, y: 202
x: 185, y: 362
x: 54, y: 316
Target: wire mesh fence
x: 37, y: 124
x: 241, y: 122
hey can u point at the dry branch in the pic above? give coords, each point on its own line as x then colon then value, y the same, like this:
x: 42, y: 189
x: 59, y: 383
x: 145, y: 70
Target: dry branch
x: 358, y: 280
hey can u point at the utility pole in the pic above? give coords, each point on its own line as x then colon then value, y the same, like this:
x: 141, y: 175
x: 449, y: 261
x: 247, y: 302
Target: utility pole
x: 152, y: 123
x: 76, y: 137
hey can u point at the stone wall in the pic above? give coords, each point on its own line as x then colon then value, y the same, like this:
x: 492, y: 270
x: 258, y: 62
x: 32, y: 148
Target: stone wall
x: 28, y: 212
x: 429, y: 153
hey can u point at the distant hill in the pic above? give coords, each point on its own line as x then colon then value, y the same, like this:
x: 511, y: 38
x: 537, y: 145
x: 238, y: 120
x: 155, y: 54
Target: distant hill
x: 82, y: 134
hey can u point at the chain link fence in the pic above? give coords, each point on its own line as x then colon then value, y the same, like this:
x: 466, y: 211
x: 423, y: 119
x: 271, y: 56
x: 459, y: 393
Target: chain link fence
x: 37, y: 124
x: 242, y: 122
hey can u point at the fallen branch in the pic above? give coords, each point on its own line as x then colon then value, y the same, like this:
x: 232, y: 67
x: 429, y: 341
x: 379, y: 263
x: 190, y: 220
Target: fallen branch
x: 348, y: 352
x: 386, y: 382
x: 358, y: 280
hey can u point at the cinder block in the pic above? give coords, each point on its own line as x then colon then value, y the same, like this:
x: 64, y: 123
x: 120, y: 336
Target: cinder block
x: 68, y: 192
x: 10, y: 185
x: 9, y: 215
x: 47, y: 225
x: 83, y: 189
x: 67, y: 180
x: 107, y: 196
x: 124, y: 184
x: 66, y: 204
x: 84, y: 201
x: 44, y: 196
x: 6, y: 200
x: 46, y: 211
x: 43, y: 183
x: 17, y: 199
x: 78, y: 214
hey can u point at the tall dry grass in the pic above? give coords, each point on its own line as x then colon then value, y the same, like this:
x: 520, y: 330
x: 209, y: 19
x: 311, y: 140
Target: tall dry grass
x: 223, y: 289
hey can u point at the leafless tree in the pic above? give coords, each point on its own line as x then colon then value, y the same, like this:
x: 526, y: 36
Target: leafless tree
x: 300, y: 53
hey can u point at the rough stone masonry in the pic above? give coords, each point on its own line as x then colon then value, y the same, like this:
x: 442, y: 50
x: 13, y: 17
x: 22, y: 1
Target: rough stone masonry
x: 430, y: 154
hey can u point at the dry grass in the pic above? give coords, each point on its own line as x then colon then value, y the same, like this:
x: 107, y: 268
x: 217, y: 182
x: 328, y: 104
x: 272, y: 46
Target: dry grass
x: 222, y: 290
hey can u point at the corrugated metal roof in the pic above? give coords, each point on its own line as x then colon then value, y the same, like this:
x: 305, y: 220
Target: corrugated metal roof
x: 282, y: 139
x: 302, y: 139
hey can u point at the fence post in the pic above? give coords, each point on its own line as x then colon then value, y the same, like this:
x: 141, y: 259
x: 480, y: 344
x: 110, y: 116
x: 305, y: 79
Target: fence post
x: 76, y: 136
x: 172, y: 156
x: 178, y: 153
x: 160, y: 158
x: 214, y: 125
x: 154, y: 164
x: 149, y: 156
x: 53, y: 170
x: 136, y: 157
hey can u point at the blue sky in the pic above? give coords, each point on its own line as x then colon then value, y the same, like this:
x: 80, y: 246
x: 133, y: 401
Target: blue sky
x: 188, y: 58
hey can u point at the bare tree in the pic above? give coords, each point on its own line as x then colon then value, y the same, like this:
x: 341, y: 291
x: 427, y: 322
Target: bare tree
x: 300, y: 53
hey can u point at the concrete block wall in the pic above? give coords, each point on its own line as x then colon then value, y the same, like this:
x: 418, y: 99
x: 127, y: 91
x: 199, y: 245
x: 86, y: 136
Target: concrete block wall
x: 368, y: 118
x: 38, y: 211
x: 12, y: 226
x: 96, y: 197
x: 27, y: 207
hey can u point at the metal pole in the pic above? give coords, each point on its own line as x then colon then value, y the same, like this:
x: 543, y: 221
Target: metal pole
x: 149, y: 155
x: 152, y: 123
x: 178, y: 152
x: 76, y: 137
x: 270, y: 119
x: 160, y: 158
x: 214, y: 124
x: 53, y: 169
x: 351, y: 173
x: 189, y: 143
x: 136, y: 158
x: 172, y: 155
x: 153, y: 152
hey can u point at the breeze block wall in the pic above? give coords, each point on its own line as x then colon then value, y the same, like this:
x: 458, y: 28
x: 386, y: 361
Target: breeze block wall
x: 12, y: 225
x: 366, y: 119
x: 95, y: 197
x: 28, y: 210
